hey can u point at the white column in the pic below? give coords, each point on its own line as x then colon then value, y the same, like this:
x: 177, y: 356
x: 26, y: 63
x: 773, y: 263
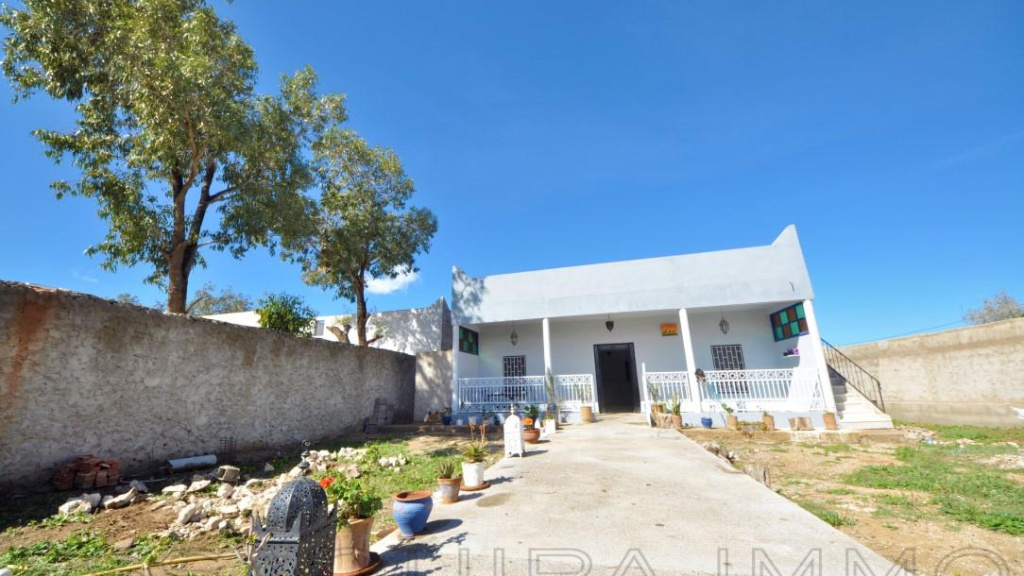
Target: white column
x: 455, y: 368
x: 691, y: 363
x: 546, y: 329
x: 818, y: 349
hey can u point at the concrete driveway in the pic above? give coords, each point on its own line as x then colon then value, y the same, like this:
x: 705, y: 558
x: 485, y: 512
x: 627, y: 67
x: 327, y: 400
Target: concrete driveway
x: 618, y: 497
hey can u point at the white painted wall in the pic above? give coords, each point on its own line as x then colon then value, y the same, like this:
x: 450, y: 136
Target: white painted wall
x: 762, y: 274
x: 751, y: 328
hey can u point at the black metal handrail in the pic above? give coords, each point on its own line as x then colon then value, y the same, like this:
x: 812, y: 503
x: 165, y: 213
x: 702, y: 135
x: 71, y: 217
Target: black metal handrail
x: 854, y: 375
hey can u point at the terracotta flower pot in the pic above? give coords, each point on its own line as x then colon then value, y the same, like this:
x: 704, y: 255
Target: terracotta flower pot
x: 531, y: 435
x: 677, y: 420
x: 830, y: 421
x: 657, y: 408
x: 586, y: 414
x: 352, y: 546
x: 449, y: 488
x: 733, y: 422
x: 769, y: 423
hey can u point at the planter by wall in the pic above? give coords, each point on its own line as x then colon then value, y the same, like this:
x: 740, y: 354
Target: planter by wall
x: 733, y: 422
x: 769, y: 423
x: 586, y: 414
x: 352, y: 546
x: 550, y: 426
x: 411, y: 511
x: 830, y: 421
x: 473, y: 474
x: 449, y: 488
x: 706, y: 422
x: 677, y: 421
x: 531, y: 435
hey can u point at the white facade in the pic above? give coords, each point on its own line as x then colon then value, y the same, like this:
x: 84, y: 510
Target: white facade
x: 559, y: 318
x: 408, y: 331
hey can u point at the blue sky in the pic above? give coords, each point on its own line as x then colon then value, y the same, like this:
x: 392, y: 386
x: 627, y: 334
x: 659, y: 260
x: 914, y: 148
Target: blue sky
x: 557, y: 133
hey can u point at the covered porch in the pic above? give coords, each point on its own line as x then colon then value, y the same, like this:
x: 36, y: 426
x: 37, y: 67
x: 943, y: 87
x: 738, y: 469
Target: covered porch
x: 626, y: 362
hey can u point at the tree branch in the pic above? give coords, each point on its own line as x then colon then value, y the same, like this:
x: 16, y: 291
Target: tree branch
x: 222, y: 194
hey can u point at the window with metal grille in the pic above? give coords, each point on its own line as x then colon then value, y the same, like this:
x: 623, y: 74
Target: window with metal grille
x: 728, y: 357
x: 513, y: 366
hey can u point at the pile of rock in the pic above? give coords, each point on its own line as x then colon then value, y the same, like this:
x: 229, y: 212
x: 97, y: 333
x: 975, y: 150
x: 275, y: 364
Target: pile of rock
x: 135, y: 493
x: 87, y: 472
x: 227, y: 510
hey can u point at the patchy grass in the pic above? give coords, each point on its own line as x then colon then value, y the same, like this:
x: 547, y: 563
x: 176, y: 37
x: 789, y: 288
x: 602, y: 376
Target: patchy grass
x: 831, y: 517
x: 975, y: 433
x: 79, y: 553
x: 962, y: 489
x: 839, y: 448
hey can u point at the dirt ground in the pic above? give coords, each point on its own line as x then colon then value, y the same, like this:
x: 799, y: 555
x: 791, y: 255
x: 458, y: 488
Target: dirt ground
x: 812, y: 472
x: 26, y: 519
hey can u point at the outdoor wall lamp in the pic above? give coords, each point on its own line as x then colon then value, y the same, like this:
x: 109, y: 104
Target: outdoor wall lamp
x: 724, y: 325
x: 609, y: 323
x: 514, y: 338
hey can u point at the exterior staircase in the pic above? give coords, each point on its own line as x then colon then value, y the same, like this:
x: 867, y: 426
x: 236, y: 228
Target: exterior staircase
x: 858, y: 394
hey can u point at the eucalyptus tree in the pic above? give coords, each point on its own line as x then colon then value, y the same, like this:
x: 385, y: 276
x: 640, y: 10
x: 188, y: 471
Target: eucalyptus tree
x: 364, y: 226
x: 167, y: 126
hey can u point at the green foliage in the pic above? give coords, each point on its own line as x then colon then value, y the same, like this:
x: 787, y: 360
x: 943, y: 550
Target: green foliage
x: 364, y: 228
x: 728, y: 409
x: 207, y: 301
x: 352, y: 499
x: 965, y: 490
x: 835, y: 448
x: 446, y: 469
x: 58, y: 520
x: 831, y: 517
x: 980, y: 434
x: 286, y: 313
x: 676, y: 407
x: 475, y: 452
x: 168, y: 126
x: 80, y: 552
x: 1002, y: 306
x: 532, y: 411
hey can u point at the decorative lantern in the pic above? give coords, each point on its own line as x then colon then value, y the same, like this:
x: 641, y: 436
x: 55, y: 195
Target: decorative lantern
x: 609, y: 323
x: 514, y: 445
x: 299, y: 532
x: 514, y: 338
x: 724, y: 325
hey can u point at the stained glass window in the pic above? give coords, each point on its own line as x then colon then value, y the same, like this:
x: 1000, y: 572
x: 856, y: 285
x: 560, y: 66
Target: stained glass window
x: 789, y: 322
x: 469, y: 341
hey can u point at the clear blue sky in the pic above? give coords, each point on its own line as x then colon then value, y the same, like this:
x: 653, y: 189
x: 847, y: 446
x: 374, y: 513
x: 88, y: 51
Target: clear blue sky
x: 558, y: 133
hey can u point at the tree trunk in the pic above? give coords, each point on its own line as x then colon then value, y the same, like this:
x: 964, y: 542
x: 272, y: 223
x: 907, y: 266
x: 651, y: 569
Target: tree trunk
x: 185, y: 245
x: 361, y: 316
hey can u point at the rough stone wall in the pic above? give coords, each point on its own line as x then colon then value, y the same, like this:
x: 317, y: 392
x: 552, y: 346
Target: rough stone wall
x: 80, y: 375
x: 433, y: 382
x: 971, y: 375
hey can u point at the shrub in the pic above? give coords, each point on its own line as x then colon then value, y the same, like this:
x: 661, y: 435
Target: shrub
x: 286, y: 313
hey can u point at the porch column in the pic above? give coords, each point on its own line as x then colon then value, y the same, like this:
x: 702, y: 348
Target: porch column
x: 455, y: 368
x: 691, y: 364
x: 818, y: 349
x: 546, y: 329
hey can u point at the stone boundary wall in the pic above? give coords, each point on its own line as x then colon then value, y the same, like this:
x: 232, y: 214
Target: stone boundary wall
x: 84, y: 375
x: 972, y: 375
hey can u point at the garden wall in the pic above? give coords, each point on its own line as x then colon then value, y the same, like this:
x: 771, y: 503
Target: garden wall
x: 972, y: 375
x: 433, y: 382
x: 84, y: 375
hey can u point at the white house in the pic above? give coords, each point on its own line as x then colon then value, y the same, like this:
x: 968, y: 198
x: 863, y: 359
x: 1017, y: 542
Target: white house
x: 735, y: 327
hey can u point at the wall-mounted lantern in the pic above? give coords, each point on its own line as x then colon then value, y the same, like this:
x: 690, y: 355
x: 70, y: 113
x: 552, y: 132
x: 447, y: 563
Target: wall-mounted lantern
x: 724, y: 325
x: 513, y: 337
x: 609, y: 323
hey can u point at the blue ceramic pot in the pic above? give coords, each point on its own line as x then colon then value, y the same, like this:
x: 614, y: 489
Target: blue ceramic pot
x: 705, y: 422
x: 446, y: 420
x: 411, y: 510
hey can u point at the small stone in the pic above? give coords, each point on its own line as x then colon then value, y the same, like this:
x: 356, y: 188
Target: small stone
x: 139, y: 486
x: 175, y: 489
x: 189, y: 514
x: 74, y: 506
x: 228, y: 473
x: 253, y: 482
x: 212, y: 523
x: 225, y: 491
x: 268, y: 467
x: 120, y: 501
x: 6, y: 572
x: 224, y: 526
x: 298, y: 471
x: 353, y: 472
x: 122, y: 545
x: 228, y: 510
x: 246, y: 504
x: 160, y: 504
x: 198, y: 483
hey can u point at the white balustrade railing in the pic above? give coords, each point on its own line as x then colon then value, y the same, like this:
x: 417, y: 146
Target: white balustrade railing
x: 797, y: 389
x: 498, y: 394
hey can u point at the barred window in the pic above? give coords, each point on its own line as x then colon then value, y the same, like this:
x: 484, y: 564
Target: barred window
x: 513, y: 366
x: 728, y: 357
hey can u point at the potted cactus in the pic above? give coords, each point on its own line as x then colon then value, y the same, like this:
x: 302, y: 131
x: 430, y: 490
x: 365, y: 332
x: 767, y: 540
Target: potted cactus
x: 473, y: 458
x: 356, y: 507
x: 448, y: 482
x: 677, y: 413
x: 731, y: 420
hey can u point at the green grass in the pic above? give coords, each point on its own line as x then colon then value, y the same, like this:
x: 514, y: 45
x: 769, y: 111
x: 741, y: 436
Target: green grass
x: 976, y: 433
x: 840, y: 491
x: 831, y: 517
x: 963, y: 489
x: 81, y: 552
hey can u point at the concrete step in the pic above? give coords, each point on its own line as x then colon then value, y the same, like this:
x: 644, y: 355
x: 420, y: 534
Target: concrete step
x: 866, y: 425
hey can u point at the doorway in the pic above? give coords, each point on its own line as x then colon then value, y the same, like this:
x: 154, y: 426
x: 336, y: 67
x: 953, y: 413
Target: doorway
x: 616, y: 377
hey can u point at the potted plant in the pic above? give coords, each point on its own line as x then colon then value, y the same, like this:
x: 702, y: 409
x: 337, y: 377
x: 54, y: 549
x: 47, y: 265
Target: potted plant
x: 551, y: 412
x: 473, y: 465
x: 731, y: 420
x: 677, y: 415
x: 656, y: 406
x: 830, y: 421
x: 446, y: 416
x: 411, y: 511
x: 355, y: 506
x: 768, y: 420
x: 586, y: 410
x: 448, y: 482
x: 531, y: 415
